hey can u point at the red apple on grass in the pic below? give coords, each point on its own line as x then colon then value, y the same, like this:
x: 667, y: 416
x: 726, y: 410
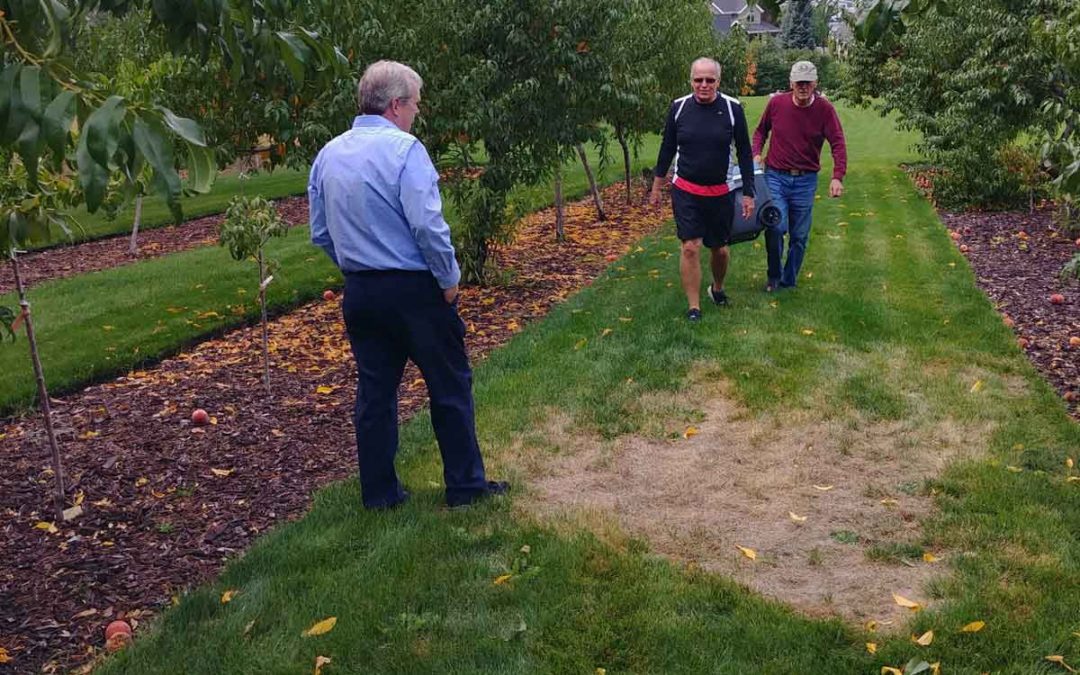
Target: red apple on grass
x: 200, y: 417
x: 328, y: 295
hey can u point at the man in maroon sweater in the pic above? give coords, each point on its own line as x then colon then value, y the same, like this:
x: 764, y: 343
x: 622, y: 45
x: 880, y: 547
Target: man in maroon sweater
x: 796, y: 123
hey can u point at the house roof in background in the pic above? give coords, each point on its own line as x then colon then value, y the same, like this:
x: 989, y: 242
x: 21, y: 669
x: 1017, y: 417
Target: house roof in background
x: 727, y: 6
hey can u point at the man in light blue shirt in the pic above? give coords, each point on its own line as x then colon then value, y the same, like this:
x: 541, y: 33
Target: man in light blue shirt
x: 375, y: 209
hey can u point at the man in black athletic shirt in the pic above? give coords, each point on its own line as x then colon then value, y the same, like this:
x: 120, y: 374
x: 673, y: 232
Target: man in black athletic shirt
x: 698, y: 135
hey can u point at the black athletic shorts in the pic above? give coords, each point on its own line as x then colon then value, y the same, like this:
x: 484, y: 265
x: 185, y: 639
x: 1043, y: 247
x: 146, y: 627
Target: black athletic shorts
x: 707, y: 218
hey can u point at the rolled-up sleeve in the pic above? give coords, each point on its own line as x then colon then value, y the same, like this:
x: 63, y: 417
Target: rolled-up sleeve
x: 320, y: 233
x: 422, y: 205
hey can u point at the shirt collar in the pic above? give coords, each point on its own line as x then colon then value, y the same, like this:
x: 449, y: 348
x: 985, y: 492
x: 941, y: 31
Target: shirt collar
x: 372, y: 121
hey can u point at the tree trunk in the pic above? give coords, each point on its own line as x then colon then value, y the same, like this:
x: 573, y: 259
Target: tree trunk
x: 592, y: 183
x: 265, y: 335
x: 560, y: 208
x: 626, y: 160
x: 43, y: 393
x: 133, y: 247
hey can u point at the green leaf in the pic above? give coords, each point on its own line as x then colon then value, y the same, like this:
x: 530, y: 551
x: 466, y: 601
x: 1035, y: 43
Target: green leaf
x: 56, y: 16
x: 102, y: 129
x: 201, y: 169
x: 56, y: 122
x: 12, y: 115
x: 30, y: 90
x: 295, y: 54
x: 156, y: 148
x: 185, y: 128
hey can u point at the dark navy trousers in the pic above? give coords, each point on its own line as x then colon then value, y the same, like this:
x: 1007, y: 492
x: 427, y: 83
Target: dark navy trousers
x: 393, y: 316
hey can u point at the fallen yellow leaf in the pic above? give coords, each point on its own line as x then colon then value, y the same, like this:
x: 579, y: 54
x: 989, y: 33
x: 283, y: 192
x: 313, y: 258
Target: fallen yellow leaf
x: 904, y: 602
x: 807, y: 331
x: 871, y: 647
x: 748, y: 552
x: 1069, y: 462
x: 320, y: 628
x: 925, y: 639
x: 889, y: 501
x: 973, y: 627
x: 1014, y: 469
x: 580, y: 344
x: 87, y: 435
x: 606, y: 332
x: 601, y: 671
x: 4, y: 658
x: 1072, y: 479
x: 79, y: 497
x: 141, y: 481
x: 795, y: 517
x: 935, y: 668
x: 977, y: 387
x: 47, y: 527
x: 889, y: 670
x: 929, y: 557
x: 228, y: 595
x: 871, y: 626
x: 824, y: 488
x: 321, y: 661
x: 500, y: 580
x: 690, y: 432
x: 324, y: 389
x: 221, y: 473
x: 1060, y: 660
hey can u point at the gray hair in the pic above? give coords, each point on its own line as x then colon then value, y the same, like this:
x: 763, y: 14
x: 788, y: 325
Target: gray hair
x: 383, y: 81
x: 705, y: 59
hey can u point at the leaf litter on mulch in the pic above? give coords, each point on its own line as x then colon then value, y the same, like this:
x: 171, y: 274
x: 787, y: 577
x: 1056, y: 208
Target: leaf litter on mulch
x: 1017, y: 258
x: 166, y: 503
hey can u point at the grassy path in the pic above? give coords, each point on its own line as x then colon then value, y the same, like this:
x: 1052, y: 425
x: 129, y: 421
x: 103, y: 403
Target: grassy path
x: 886, y: 331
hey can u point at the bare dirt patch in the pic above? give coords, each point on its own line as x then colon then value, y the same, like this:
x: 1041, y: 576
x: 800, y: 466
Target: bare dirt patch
x: 737, y: 482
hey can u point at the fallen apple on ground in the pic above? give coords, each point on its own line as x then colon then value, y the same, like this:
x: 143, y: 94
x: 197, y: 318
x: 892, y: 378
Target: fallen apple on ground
x: 328, y: 295
x: 200, y: 417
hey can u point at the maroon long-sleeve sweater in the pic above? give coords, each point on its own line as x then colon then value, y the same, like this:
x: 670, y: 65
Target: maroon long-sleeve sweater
x: 797, y: 135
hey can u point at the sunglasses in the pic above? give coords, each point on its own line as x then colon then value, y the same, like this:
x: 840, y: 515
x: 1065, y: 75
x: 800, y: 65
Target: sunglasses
x: 706, y: 80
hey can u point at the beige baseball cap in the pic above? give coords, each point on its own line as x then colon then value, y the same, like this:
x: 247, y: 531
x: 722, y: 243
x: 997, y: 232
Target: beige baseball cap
x: 803, y: 71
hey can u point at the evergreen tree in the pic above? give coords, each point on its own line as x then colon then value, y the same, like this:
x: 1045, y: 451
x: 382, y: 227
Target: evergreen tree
x: 797, y: 30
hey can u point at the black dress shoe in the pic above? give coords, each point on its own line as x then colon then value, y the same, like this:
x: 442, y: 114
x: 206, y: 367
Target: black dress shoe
x: 464, y: 498
x: 392, y: 505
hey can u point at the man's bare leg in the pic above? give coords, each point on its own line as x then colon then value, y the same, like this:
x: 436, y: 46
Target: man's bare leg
x: 718, y: 261
x: 690, y: 271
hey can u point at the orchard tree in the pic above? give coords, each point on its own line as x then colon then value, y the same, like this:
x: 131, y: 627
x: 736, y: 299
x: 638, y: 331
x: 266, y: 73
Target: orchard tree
x: 250, y: 222
x: 65, y: 132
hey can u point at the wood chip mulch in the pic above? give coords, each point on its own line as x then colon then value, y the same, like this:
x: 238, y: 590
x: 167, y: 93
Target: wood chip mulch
x: 1017, y: 258
x: 101, y: 254
x: 166, y: 504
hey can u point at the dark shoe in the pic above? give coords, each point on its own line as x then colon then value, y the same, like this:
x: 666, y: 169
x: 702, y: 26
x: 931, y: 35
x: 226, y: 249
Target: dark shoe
x: 719, y: 297
x: 772, y: 286
x: 693, y: 315
x: 464, y: 498
x: 392, y: 505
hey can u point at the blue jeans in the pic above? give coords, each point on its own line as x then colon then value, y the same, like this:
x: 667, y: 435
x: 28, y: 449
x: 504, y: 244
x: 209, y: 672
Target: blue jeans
x: 794, y: 196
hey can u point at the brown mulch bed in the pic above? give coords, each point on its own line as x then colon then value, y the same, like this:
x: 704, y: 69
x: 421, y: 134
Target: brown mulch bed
x: 166, y: 503
x: 100, y: 254
x: 1017, y: 258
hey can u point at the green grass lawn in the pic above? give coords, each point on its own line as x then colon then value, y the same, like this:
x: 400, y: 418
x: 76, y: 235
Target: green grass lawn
x: 281, y: 183
x: 899, y: 333
x: 97, y: 325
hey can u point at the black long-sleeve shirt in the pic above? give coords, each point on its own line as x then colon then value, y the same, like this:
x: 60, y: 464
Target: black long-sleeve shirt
x: 698, y: 137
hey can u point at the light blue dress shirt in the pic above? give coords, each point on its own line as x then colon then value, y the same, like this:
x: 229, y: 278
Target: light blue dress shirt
x: 374, y: 202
